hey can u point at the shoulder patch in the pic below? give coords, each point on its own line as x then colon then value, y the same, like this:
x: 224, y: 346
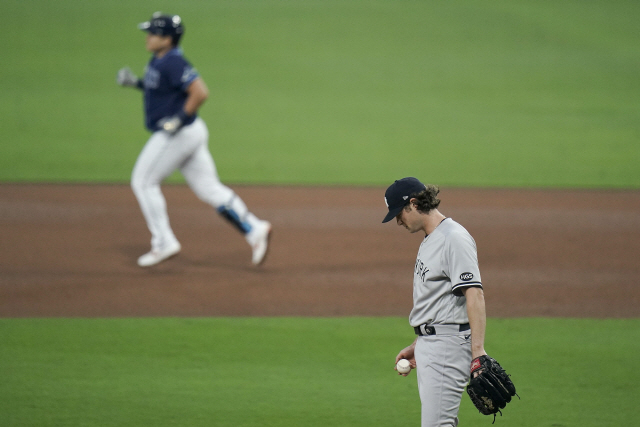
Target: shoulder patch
x: 466, y: 276
x: 189, y: 73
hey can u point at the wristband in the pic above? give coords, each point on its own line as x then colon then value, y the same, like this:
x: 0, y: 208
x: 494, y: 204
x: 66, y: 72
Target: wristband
x: 183, y: 116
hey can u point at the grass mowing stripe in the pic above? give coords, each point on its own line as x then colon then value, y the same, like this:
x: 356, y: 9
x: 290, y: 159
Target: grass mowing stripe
x: 295, y: 371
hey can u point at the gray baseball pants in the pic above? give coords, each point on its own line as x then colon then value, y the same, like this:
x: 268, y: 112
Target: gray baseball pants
x: 443, y: 362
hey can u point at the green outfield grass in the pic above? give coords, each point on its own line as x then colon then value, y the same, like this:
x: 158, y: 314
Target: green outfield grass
x: 501, y: 93
x: 297, y: 371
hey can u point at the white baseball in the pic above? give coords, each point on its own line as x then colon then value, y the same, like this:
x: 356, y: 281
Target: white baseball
x: 403, y: 366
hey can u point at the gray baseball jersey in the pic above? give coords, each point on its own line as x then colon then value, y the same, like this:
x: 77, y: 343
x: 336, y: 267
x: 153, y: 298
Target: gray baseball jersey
x: 447, y: 262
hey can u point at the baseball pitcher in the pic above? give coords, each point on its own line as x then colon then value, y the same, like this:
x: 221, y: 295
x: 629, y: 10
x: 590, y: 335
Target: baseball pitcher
x: 448, y: 314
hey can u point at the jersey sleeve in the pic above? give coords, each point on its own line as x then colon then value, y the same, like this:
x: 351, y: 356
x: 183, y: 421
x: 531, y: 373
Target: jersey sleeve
x: 181, y: 74
x: 463, y: 266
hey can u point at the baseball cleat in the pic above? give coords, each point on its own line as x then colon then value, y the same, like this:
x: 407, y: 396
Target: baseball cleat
x: 260, y: 245
x: 157, y: 256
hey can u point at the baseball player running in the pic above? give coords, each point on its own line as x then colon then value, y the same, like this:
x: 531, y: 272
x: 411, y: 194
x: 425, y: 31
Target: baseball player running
x: 448, y: 312
x: 173, y: 93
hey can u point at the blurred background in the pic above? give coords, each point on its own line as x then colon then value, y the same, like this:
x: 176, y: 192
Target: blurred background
x: 524, y: 93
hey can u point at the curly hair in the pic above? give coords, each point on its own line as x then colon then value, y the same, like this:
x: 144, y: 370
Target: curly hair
x: 426, y: 200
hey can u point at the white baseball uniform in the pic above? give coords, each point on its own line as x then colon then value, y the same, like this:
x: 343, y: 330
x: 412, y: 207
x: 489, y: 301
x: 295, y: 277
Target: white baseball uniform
x: 188, y: 152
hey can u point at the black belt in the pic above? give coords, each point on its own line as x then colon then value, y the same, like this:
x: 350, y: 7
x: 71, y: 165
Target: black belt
x: 426, y: 329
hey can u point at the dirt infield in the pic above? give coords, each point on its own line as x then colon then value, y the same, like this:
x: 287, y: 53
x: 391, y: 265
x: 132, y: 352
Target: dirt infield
x: 70, y: 250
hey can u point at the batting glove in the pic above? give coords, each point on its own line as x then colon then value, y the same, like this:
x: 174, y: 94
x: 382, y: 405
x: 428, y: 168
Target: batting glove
x: 173, y: 124
x: 126, y: 77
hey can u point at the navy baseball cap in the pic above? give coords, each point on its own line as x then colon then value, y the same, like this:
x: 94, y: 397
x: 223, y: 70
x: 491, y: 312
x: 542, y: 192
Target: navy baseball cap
x: 398, y: 195
x: 163, y: 25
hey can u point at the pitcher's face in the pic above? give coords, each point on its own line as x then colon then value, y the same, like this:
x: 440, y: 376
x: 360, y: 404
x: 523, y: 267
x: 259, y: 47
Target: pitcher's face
x: 410, y: 218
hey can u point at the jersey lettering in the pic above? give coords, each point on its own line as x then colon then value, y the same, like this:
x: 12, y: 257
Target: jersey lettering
x: 421, y: 269
x: 151, y: 78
